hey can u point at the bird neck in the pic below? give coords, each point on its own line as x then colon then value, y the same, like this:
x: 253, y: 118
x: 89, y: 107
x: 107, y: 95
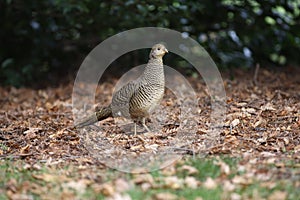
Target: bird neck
x: 156, y: 60
x: 154, y: 71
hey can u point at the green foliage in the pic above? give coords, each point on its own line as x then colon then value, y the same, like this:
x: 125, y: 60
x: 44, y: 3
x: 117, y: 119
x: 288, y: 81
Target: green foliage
x: 41, y: 37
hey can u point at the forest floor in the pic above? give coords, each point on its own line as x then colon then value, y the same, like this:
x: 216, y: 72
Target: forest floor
x: 257, y: 155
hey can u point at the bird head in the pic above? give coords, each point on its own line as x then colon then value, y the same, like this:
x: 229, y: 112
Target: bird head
x: 158, y: 51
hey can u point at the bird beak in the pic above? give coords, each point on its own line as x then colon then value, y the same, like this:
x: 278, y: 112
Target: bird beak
x: 166, y: 51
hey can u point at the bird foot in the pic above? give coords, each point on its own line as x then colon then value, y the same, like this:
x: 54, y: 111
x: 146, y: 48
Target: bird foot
x: 146, y: 127
x: 144, y: 130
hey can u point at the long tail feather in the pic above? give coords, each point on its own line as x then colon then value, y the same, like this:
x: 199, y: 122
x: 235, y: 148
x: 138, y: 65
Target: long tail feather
x: 87, y: 121
x: 99, y: 115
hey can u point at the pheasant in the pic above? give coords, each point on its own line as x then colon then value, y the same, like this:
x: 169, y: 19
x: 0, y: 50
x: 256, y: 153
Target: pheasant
x: 137, y: 99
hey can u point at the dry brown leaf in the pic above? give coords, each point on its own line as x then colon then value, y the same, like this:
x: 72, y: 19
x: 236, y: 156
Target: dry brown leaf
x: 78, y: 185
x: 225, y: 169
x: 267, y: 154
x: 118, y: 196
x: 143, y: 178
x: 268, y: 184
x: 169, y: 170
x: 107, y: 189
x: 146, y: 186
x: 165, y: 196
x: 137, y: 147
x: 11, y: 185
x: 278, y: 195
x: 267, y: 106
x: 20, y: 196
x: 122, y: 185
x: 241, y: 180
x: 67, y: 195
x: 189, y: 169
x: 191, y: 182
x: 152, y: 147
x: 25, y: 149
x: 49, y: 177
x: 173, y: 182
x: 210, y: 183
x: 228, y: 186
x: 251, y: 110
x: 297, y: 148
x: 235, y: 122
x: 241, y: 104
x: 235, y: 196
x: 32, y: 130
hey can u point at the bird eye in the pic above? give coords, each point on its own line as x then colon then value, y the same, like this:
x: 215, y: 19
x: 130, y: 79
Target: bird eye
x: 158, y: 49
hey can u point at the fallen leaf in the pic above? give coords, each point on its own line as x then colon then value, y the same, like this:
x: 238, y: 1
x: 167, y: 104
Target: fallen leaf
x: 251, y: 110
x: 241, y: 180
x: 25, y: 149
x: 235, y: 122
x: 259, y: 122
x: 225, y: 169
x: 228, y: 186
x: 241, y: 104
x: 20, y: 196
x: 119, y: 196
x: 32, y: 130
x: 268, y: 184
x: 49, y: 177
x: 165, y: 196
x: 146, y: 186
x: 107, y: 189
x: 191, y: 182
x: 267, y: 106
x: 169, y: 170
x: 121, y: 185
x: 190, y: 169
x: 143, y: 178
x: 235, y: 196
x: 297, y: 148
x: 278, y: 195
x: 210, y: 183
x: 11, y: 185
x: 79, y: 185
x: 173, y: 182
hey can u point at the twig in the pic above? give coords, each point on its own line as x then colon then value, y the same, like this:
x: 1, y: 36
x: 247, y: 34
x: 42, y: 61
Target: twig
x: 17, y: 156
x: 188, y: 151
x: 36, y: 114
x: 256, y: 74
x: 284, y: 117
x: 10, y: 115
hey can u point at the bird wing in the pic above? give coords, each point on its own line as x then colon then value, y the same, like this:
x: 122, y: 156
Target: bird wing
x: 121, y: 99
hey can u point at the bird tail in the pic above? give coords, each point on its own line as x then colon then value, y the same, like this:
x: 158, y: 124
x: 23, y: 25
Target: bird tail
x: 99, y: 115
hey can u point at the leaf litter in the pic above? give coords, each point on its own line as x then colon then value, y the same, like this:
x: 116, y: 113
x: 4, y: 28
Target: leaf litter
x: 261, y: 130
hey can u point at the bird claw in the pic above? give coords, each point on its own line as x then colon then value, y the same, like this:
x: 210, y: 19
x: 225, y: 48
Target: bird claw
x: 144, y: 126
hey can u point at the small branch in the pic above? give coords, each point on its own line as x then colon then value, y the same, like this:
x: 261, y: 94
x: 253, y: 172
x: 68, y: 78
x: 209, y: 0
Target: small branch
x: 285, y: 117
x: 186, y: 150
x: 17, y: 156
x: 256, y: 74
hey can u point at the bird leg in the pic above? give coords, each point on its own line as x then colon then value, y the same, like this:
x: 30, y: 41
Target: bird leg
x: 143, y: 121
x: 144, y: 124
x: 134, y: 128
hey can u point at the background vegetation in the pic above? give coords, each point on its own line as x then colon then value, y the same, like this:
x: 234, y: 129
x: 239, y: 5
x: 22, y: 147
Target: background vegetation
x: 43, y: 39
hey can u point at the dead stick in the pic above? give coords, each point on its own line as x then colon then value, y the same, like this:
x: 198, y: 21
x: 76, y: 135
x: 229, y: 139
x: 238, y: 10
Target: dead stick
x: 12, y: 156
x: 256, y: 73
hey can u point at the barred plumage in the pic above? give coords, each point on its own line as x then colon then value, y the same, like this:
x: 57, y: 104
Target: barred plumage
x: 138, y: 98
